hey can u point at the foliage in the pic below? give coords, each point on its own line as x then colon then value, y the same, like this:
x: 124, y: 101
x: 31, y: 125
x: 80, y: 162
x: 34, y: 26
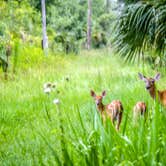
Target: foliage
x: 65, y: 19
x: 19, y: 17
x: 129, y: 1
x: 19, y: 25
x: 141, y: 26
x: 5, y: 48
x: 102, y: 30
x: 69, y: 20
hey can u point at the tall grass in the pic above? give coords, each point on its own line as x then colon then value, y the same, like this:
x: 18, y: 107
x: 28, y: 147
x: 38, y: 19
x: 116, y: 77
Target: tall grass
x: 34, y: 131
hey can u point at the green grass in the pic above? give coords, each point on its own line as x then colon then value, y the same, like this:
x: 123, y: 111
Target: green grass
x: 34, y: 131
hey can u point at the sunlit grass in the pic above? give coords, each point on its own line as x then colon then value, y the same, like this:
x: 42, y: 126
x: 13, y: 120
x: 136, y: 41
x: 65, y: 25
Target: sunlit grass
x: 36, y: 131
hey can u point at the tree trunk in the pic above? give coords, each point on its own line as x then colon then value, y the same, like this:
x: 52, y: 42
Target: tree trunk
x: 89, y: 24
x: 45, y: 39
x: 108, y: 5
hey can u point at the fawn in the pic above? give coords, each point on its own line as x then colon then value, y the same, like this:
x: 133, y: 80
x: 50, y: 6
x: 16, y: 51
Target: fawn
x: 151, y: 88
x: 113, y: 110
x: 139, y: 109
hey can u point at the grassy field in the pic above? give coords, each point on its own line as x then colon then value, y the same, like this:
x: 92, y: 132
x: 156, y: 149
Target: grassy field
x: 35, y: 131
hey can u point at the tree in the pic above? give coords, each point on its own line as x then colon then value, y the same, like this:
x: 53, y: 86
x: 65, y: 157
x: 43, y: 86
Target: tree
x: 89, y: 24
x: 45, y: 39
x: 108, y: 5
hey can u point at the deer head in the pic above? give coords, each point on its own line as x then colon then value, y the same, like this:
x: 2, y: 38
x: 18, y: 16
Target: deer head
x: 98, y: 99
x: 149, y: 82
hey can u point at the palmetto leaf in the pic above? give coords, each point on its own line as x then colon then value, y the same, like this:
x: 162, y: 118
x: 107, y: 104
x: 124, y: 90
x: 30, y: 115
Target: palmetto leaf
x: 141, y: 26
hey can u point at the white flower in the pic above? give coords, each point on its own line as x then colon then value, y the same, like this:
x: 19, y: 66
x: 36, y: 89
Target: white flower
x: 56, y: 101
x: 47, y: 90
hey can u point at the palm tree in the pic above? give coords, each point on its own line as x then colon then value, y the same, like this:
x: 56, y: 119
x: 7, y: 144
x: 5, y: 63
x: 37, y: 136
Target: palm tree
x: 45, y: 39
x: 89, y: 22
x: 141, y: 26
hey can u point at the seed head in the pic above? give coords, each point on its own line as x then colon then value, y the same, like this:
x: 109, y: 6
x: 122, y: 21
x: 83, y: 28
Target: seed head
x: 54, y: 85
x: 47, y: 85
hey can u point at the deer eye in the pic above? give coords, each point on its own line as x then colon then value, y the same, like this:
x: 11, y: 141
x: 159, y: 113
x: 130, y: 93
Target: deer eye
x: 153, y: 81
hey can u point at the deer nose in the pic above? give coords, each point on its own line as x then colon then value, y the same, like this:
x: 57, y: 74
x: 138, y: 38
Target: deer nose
x: 147, y: 87
x: 97, y: 102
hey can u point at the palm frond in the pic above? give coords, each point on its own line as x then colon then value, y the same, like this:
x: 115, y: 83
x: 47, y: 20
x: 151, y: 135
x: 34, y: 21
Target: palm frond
x: 141, y: 26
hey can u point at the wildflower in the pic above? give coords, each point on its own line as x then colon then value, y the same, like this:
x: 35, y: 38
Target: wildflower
x: 47, y: 90
x: 56, y: 101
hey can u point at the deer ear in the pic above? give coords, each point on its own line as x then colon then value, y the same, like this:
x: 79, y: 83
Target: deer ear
x: 141, y: 76
x: 92, y: 93
x: 157, y: 77
x: 104, y: 93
